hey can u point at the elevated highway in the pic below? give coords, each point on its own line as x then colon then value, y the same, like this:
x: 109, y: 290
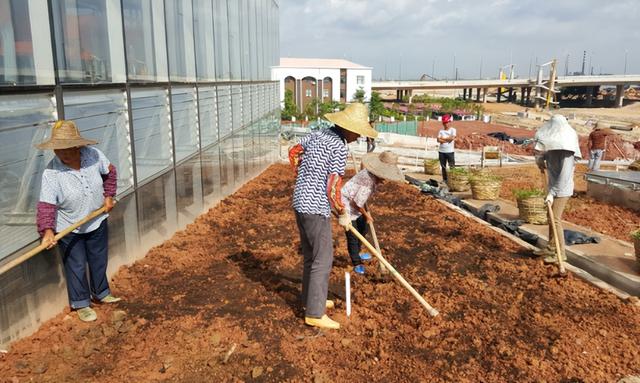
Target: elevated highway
x: 406, y: 88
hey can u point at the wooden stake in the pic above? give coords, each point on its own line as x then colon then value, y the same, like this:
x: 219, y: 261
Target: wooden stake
x: 15, y: 262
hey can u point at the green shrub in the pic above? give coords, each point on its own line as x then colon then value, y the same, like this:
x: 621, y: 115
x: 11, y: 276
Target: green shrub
x: 459, y: 171
x: 527, y: 193
x: 635, y: 234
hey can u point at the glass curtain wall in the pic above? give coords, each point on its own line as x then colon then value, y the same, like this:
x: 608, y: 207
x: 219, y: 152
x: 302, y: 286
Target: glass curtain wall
x: 184, y: 126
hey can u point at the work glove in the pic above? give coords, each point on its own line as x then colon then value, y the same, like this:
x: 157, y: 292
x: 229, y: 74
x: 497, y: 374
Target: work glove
x: 549, y: 199
x: 344, y: 219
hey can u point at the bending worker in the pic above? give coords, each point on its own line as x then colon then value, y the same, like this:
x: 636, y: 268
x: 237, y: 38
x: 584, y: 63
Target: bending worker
x: 556, y: 148
x: 320, y: 160
x: 77, y: 181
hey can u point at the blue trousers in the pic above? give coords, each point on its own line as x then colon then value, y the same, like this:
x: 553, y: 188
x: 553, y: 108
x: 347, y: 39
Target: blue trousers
x: 353, y: 243
x: 78, y: 251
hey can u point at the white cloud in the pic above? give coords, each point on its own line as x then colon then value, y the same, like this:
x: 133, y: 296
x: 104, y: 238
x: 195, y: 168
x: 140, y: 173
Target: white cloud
x: 378, y: 32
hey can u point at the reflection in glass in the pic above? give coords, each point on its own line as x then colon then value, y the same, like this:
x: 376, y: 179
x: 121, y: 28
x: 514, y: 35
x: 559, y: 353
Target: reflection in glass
x: 208, y: 115
x: 88, y: 36
x: 211, y: 173
x: 185, y: 121
x: 188, y: 190
x: 24, y: 122
x: 151, y: 131
x: 180, y: 40
x: 145, y: 40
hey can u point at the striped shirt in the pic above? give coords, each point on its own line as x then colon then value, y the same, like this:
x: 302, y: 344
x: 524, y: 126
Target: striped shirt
x: 325, y: 152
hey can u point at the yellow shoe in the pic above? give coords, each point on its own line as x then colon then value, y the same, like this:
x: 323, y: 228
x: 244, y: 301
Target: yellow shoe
x: 324, y: 322
x: 330, y: 304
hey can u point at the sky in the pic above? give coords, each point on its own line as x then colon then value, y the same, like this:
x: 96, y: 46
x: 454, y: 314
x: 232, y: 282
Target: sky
x: 408, y: 38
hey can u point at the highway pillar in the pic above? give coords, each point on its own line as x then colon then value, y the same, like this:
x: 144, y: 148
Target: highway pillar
x: 589, y: 100
x: 619, y: 96
x: 484, y: 95
x: 498, y: 95
x: 410, y: 94
x: 477, y: 94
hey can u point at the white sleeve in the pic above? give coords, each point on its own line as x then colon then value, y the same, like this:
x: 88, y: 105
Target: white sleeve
x: 49, y: 187
x: 103, y: 162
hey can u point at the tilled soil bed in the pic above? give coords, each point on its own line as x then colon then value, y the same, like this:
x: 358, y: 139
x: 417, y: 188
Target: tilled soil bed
x: 218, y: 302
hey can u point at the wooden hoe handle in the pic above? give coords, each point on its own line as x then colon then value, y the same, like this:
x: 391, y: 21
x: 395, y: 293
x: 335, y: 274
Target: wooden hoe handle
x: 15, y: 262
x: 433, y: 312
x: 552, y: 219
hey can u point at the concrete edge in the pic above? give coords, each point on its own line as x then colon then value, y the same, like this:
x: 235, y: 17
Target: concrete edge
x: 578, y: 260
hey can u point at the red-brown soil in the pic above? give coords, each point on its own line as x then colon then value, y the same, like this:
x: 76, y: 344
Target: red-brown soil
x: 615, y: 221
x: 464, y: 128
x: 232, y: 277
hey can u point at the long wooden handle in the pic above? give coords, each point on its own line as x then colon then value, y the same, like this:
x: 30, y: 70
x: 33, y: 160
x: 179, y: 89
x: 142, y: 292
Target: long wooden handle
x: 552, y: 219
x: 433, y: 312
x: 15, y: 262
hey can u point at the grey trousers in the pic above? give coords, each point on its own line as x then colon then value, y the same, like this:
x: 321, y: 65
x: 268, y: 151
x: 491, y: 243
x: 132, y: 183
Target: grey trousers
x: 317, y: 252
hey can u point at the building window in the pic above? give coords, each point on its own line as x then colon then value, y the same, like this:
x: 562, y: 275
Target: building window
x: 308, y: 92
x: 151, y: 131
x: 25, y: 45
x: 89, y: 44
x: 145, y: 40
x: 325, y: 93
x: 360, y: 80
x: 24, y: 120
x: 180, y: 40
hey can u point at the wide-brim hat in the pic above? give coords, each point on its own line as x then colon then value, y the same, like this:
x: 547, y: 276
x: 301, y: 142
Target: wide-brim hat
x: 383, y: 165
x: 354, y: 118
x: 64, y: 135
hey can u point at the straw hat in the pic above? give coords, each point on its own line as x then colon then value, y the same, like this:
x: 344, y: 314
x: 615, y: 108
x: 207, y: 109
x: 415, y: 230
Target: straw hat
x: 383, y: 165
x: 64, y: 135
x: 354, y: 118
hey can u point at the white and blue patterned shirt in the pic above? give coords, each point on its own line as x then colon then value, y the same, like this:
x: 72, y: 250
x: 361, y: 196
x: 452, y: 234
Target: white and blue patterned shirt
x: 76, y: 193
x: 325, y: 152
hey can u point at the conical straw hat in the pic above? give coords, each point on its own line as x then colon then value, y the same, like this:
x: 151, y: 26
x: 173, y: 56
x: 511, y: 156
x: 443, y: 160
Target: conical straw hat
x: 354, y: 118
x: 64, y: 135
x: 383, y: 165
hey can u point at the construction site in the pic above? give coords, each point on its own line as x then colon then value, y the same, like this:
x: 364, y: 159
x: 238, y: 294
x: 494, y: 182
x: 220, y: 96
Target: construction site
x: 204, y: 248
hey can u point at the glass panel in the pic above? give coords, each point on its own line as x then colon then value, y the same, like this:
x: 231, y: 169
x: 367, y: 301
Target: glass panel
x: 151, y: 131
x: 123, y: 233
x: 236, y: 107
x: 89, y: 44
x: 253, y: 41
x: 238, y: 159
x: 221, y: 29
x: 211, y: 173
x: 224, y: 110
x: 188, y: 190
x: 245, y: 36
x: 145, y: 40
x: 234, y: 39
x: 157, y: 208
x: 102, y: 116
x: 24, y: 122
x: 226, y: 166
x: 185, y: 121
x: 180, y: 40
x: 208, y: 116
x: 255, y: 110
x: 25, y: 45
x: 203, y: 25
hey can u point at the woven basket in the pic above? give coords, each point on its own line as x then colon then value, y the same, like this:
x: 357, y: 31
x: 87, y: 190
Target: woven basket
x: 458, y: 182
x: 636, y: 244
x: 486, y: 189
x: 533, y: 210
x: 431, y: 167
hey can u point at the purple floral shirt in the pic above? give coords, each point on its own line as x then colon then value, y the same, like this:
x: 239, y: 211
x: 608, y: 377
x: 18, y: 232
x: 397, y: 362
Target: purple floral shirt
x: 357, y: 191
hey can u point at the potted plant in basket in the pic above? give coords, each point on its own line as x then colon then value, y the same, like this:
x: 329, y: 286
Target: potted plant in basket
x: 636, y: 243
x: 458, y: 179
x: 485, y: 186
x: 531, y: 208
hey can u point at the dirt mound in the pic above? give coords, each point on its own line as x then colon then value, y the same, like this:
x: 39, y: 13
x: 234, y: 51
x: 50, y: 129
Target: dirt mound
x: 218, y: 302
x: 616, y: 148
x: 477, y: 141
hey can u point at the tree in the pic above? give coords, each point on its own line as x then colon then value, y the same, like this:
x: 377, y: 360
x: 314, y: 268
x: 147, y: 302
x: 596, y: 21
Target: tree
x: 376, y: 107
x: 289, y: 109
x: 358, y: 96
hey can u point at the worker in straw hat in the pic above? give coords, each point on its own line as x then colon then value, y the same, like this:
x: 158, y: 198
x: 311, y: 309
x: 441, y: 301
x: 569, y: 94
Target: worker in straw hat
x: 355, y: 193
x: 556, y: 148
x: 320, y: 160
x: 77, y: 181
